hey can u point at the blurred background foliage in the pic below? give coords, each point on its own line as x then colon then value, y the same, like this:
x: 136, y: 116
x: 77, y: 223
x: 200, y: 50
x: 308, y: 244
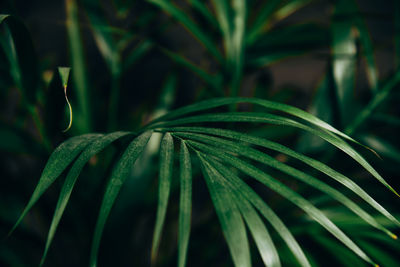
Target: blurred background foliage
x: 132, y: 61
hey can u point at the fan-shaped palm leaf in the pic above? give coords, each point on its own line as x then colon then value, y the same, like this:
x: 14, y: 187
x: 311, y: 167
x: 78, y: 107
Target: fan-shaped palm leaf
x: 220, y: 153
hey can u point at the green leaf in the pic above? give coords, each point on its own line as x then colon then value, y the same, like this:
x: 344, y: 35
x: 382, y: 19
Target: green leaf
x: 214, y: 81
x: 289, y: 8
x: 238, y: 41
x: 166, y: 166
x: 344, y: 180
x: 104, y: 40
x: 228, y: 214
x: 59, y: 160
x: 279, y: 120
x: 286, y: 192
x: 271, y: 13
x: 232, y: 20
x: 242, y: 188
x: 217, y: 102
x: 19, y: 50
x: 344, y: 62
x: 140, y: 51
x: 377, y: 100
x: 64, y: 75
x: 287, y: 41
x: 222, y: 11
x: 188, y: 23
x: 185, y: 204
x: 95, y: 147
x: 383, y: 147
x: 110, y: 53
x: 202, y: 8
x: 257, y: 228
x: 261, y: 19
x: 349, y: 10
x: 118, y: 177
x: 79, y: 70
x: 322, y: 107
x: 251, y: 153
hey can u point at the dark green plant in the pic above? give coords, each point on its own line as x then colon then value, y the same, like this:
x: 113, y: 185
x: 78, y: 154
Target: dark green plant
x: 231, y: 137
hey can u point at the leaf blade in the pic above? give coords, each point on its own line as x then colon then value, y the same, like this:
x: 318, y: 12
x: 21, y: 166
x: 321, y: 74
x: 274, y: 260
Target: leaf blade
x: 185, y: 204
x: 257, y: 228
x: 61, y: 157
x: 297, y: 174
x: 166, y: 165
x: 229, y: 216
x: 118, y: 176
x: 217, y: 102
x: 344, y: 180
x: 292, y: 196
x: 188, y: 23
x: 242, y: 188
x: 70, y: 180
x: 279, y: 120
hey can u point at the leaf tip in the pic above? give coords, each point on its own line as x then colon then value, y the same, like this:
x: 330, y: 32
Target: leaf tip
x: 64, y: 75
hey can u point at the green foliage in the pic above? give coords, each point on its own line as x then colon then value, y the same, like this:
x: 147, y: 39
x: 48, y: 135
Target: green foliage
x: 231, y: 144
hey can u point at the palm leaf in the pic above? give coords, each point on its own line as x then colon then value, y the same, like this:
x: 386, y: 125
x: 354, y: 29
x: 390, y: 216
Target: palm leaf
x: 117, y: 179
x: 95, y: 147
x: 220, y: 152
x: 344, y: 180
x: 166, y: 164
x: 279, y: 120
x: 270, y: 161
x: 56, y: 164
x: 257, y: 228
x: 295, y: 198
x: 185, y: 204
x: 229, y: 216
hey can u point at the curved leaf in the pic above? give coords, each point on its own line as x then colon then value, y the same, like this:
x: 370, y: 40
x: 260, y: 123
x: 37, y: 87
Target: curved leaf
x: 257, y: 228
x: 229, y: 216
x: 217, y: 102
x: 166, y: 165
x: 279, y: 120
x: 185, y: 204
x: 59, y: 160
x: 344, y: 180
x: 188, y: 23
x: 274, y: 163
x: 95, y: 147
x: 118, y: 177
x: 292, y: 196
x: 242, y: 188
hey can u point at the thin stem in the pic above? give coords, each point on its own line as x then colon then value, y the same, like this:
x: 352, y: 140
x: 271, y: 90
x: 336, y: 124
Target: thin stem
x: 70, y: 110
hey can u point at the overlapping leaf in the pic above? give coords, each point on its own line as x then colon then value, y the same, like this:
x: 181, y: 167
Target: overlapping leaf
x: 220, y: 152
